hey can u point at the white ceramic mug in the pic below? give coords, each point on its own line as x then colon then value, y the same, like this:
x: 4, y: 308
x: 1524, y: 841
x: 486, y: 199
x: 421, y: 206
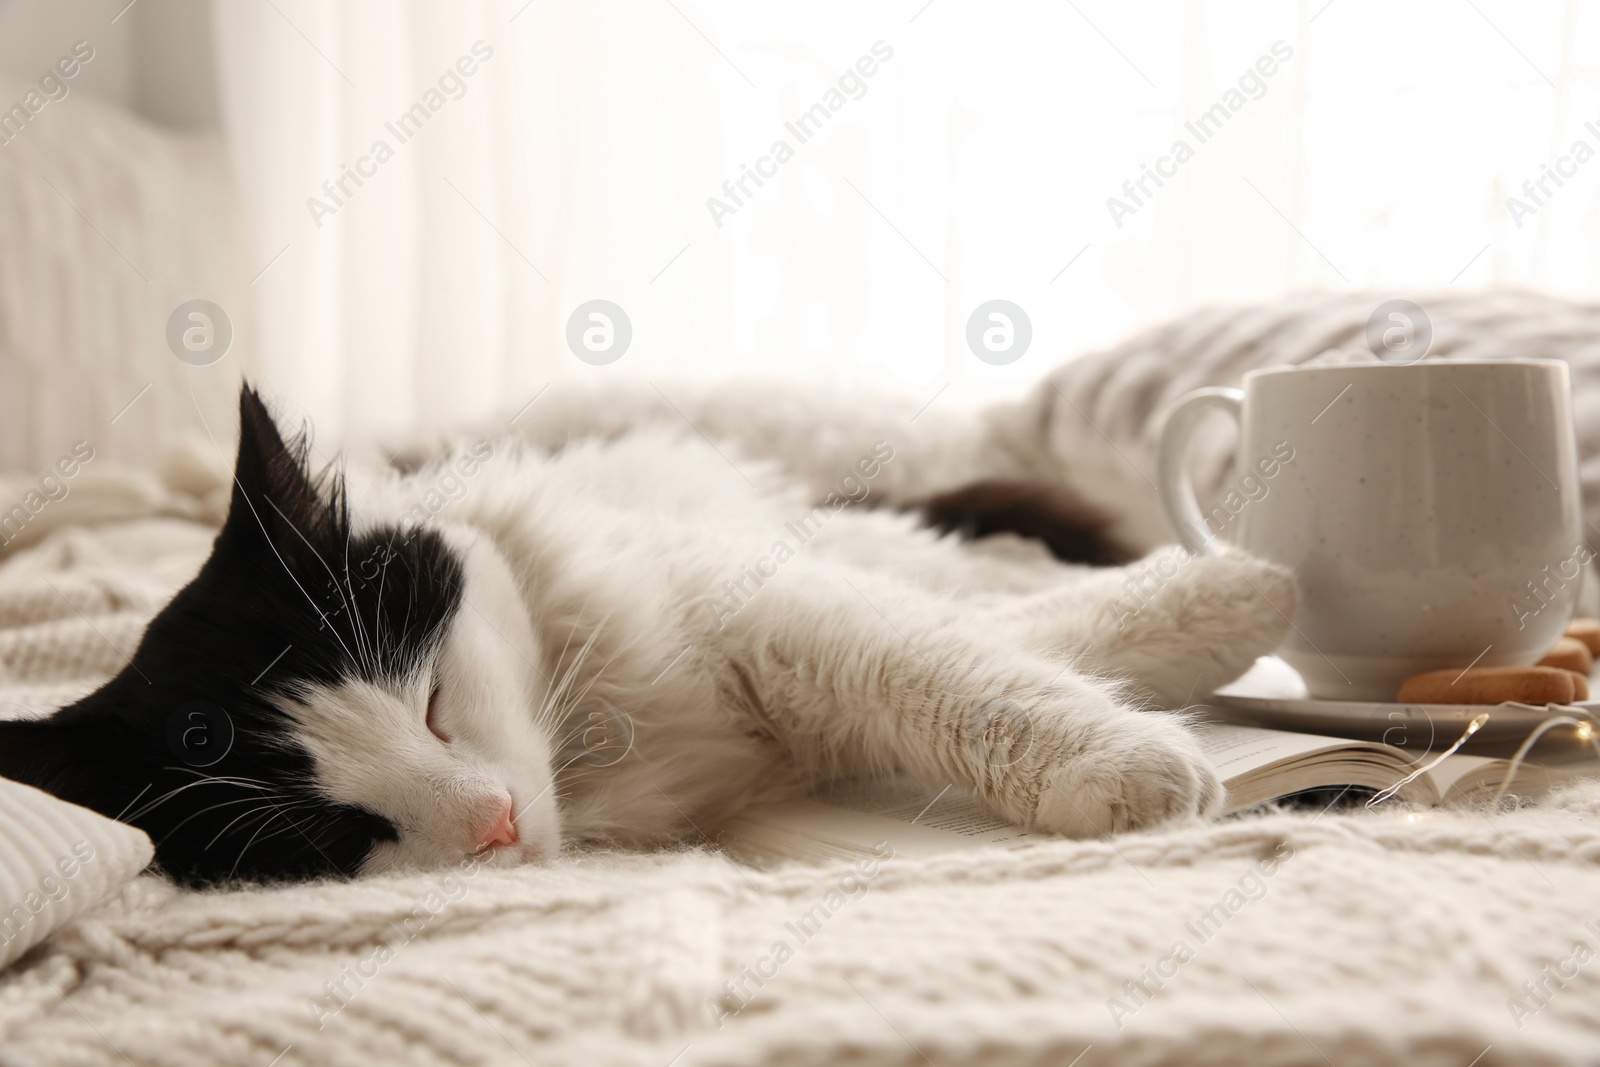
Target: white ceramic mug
x: 1430, y: 512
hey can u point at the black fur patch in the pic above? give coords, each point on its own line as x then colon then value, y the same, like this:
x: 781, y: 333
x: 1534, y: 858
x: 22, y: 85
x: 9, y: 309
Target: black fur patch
x: 1073, y: 531
x: 187, y: 742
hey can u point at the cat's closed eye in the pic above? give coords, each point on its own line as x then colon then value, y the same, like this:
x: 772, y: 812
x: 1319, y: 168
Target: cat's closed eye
x: 434, y: 725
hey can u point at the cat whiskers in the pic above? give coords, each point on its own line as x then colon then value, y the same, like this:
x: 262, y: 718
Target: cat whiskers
x: 364, y: 655
x: 288, y: 570
x: 163, y: 798
x: 267, y: 807
x: 256, y: 799
x: 559, y: 769
x: 541, y: 713
x: 358, y: 627
x: 276, y: 812
x: 548, y: 712
x: 571, y: 630
x: 554, y: 772
x: 411, y: 602
x: 233, y: 779
x: 576, y: 699
x: 383, y: 581
x: 291, y: 824
x: 285, y: 563
x: 570, y: 703
x: 557, y: 701
x: 364, y: 642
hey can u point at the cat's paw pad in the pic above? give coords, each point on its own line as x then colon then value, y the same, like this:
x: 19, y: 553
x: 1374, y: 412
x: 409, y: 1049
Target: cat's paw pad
x: 1151, y: 775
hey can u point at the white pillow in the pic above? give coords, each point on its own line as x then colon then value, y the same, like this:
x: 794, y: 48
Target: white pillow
x: 58, y: 861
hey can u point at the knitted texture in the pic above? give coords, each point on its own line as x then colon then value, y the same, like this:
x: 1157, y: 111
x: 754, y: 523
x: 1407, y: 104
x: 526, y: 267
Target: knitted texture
x: 1374, y: 939
x: 57, y: 861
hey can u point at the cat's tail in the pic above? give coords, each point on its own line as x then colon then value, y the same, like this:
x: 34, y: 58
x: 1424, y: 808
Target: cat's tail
x: 1074, y: 530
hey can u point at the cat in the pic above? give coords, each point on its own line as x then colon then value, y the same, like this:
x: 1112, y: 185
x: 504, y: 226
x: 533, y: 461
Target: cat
x: 503, y: 651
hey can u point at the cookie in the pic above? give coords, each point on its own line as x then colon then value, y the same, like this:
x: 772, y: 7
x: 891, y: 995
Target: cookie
x: 1571, y: 653
x: 1580, y: 685
x: 1490, y: 685
x: 1587, y: 631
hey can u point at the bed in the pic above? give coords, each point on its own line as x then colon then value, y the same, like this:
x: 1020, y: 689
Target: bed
x: 1343, y: 937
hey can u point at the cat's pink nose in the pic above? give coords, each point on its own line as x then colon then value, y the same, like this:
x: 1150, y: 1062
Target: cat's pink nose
x: 502, y: 832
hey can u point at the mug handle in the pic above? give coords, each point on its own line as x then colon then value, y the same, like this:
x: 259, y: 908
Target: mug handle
x: 1172, y: 473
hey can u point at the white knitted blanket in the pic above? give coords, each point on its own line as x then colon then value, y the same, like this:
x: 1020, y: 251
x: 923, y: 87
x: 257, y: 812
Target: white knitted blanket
x: 1374, y: 939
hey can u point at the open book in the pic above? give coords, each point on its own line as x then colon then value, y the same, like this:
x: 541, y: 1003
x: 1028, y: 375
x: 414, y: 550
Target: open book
x: 1257, y: 765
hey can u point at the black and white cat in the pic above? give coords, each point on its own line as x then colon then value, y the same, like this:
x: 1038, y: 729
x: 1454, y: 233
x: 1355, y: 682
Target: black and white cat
x: 606, y: 643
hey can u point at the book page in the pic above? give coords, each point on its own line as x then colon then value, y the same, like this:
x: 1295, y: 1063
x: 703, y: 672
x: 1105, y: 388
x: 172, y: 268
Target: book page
x: 1258, y: 764
x: 1236, y: 750
x: 1471, y: 778
x: 1469, y: 772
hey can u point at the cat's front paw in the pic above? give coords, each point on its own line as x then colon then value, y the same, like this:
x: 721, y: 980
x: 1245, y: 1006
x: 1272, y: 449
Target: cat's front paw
x: 1146, y: 772
x: 1204, y: 626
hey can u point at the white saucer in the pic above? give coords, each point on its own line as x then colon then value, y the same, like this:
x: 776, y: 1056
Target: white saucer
x: 1271, y: 694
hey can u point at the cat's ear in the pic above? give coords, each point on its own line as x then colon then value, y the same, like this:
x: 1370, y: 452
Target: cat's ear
x: 274, y: 492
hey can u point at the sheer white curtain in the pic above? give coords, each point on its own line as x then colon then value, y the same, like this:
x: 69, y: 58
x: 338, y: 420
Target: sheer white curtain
x: 378, y: 147
x: 963, y: 152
